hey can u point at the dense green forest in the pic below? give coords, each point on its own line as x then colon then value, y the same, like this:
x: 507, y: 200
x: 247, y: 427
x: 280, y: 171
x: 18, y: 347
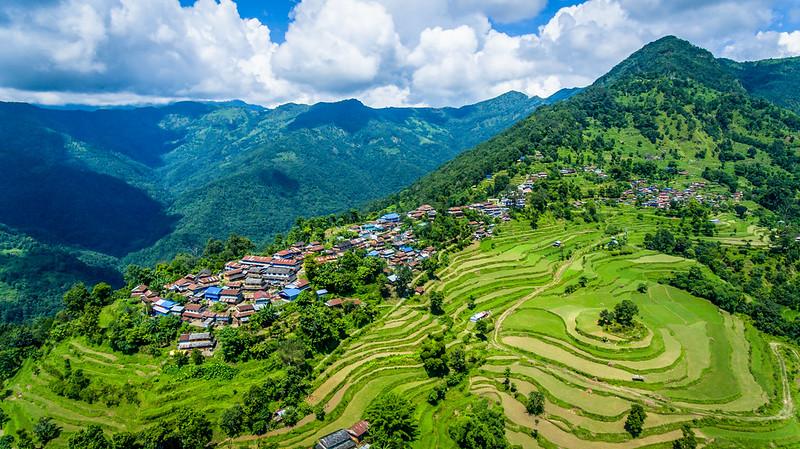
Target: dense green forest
x: 97, y: 190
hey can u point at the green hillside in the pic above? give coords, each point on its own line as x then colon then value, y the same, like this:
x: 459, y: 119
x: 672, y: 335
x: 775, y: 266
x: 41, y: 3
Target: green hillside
x: 670, y: 99
x: 140, y: 185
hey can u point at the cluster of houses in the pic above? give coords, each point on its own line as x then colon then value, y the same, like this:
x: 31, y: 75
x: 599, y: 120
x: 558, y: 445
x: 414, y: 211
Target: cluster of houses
x: 345, y: 438
x: 650, y: 195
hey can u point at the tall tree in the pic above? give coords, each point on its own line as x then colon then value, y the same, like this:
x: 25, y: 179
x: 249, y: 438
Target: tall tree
x: 634, y: 424
x: 392, y: 424
x: 46, y: 430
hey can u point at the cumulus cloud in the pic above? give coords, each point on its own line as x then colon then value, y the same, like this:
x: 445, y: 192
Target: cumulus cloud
x: 384, y: 52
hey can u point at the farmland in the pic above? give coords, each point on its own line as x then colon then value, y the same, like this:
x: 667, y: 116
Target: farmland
x: 699, y: 365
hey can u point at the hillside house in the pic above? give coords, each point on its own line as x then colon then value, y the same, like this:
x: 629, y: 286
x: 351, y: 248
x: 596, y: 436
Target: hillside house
x: 479, y: 316
x: 230, y: 296
x: 359, y: 430
x: 212, y: 293
x: 340, y: 439
x: 203, y: 341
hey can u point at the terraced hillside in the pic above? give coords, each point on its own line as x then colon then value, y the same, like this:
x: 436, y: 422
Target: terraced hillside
x: 700, y: 365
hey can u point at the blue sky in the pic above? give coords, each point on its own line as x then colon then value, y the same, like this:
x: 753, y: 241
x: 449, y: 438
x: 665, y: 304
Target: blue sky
x: 382, y: 52
x: 275, y: 14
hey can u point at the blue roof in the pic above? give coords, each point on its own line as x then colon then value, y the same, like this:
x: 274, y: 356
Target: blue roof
x: 213, y: 290
x: 290, y: 293
x: 406, y: 249
x: 373, y: 253
x: 166, y: 303
x: 391, y: 216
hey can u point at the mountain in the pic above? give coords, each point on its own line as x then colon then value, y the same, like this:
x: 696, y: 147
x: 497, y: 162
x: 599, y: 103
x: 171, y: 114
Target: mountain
x: 124, y: 185
x: 675, y: 100
x: 773, y: 79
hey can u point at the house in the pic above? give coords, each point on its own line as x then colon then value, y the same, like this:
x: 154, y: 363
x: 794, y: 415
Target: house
x: 300, y: 284
x: 261, y: 297
x: 321, y: 293
x: 234, y: 275
x: 337, y: 440
x: 279, y: 274
x: 359, y: 430
x: 212, y: 293
x: 390, y: 218
x: 289, y: 294
x: 200, y: 340
x: 335, y: 302
x: 163, y: 307
x: 253, y: 283
x: 479, y: 316
x: 230, y: 296
x: 256, y: 261
x: 139, y: 290
x: 243, y: 313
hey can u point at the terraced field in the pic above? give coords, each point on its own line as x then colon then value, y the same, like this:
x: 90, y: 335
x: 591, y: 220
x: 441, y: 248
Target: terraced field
x: 700, y: 366
x: 735, y: 386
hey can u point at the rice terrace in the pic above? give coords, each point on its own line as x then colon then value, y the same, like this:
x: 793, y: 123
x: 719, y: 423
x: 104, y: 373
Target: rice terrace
x: 692, y: 363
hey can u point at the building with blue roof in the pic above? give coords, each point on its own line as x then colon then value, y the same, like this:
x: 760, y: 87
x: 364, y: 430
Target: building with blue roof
x: 391, y: 218
x: 290, y: 293
x: 212, y: 293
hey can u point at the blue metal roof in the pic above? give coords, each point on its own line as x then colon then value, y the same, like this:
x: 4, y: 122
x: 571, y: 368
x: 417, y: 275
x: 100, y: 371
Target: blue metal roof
x: 213, y: 291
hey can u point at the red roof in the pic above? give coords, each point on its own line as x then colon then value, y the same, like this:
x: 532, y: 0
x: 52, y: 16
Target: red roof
x: 257, y: 259
x: 288, y: 262
x: 259, y: 294
x: 229, y: 292
x: 359, y: 429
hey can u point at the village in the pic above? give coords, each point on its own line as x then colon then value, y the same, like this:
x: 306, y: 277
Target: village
x: 231, y: 297
x: 206, y: 300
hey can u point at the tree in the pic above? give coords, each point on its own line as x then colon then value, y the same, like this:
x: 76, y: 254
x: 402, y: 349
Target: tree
x: 232, y: 421
x: 741, y: 210
x: 193, y: 429
x: 101, y: 294
x: 434, y: 357
x: 91, y: 437
x: 480, y: 427
x: 197, y: 357
x: 437, y: 301
x: 642, y: 288
x: 46, y: 430
x: 687, y: 441
x: 7, y: 442
x: 392, y: 424
x: 535, y: 404
x: 606, y: 318
x: 634, y: 424
x: 76, y: 298
x: 481, y: 327
x: 625, y: 311
x: 4, y: 418
x: 457, y: 360
x: 24, y: 440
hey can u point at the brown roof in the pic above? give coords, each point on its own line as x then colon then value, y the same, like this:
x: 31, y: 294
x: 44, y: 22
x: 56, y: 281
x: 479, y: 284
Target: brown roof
x: 359, y: 429
x: 229, y: 292
x: 257, y: 259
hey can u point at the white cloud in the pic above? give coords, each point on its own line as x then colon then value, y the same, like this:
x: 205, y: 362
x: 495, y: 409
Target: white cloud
x: 385, y: 52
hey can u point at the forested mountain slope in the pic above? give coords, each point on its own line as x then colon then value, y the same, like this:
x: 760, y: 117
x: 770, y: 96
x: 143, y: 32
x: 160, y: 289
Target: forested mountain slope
x: 139, y: 185
x: 678, y: 99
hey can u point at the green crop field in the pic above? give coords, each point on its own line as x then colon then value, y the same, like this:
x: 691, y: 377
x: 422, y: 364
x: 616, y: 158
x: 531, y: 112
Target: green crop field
x: 700, y: 365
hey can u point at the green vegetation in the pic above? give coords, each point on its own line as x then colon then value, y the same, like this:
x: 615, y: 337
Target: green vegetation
x: 140, y: 185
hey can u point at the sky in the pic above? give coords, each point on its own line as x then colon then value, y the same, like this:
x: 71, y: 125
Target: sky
x: 382, y: 52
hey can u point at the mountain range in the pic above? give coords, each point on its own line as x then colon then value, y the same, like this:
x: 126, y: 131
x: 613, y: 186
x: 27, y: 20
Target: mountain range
x: 99, y: 189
